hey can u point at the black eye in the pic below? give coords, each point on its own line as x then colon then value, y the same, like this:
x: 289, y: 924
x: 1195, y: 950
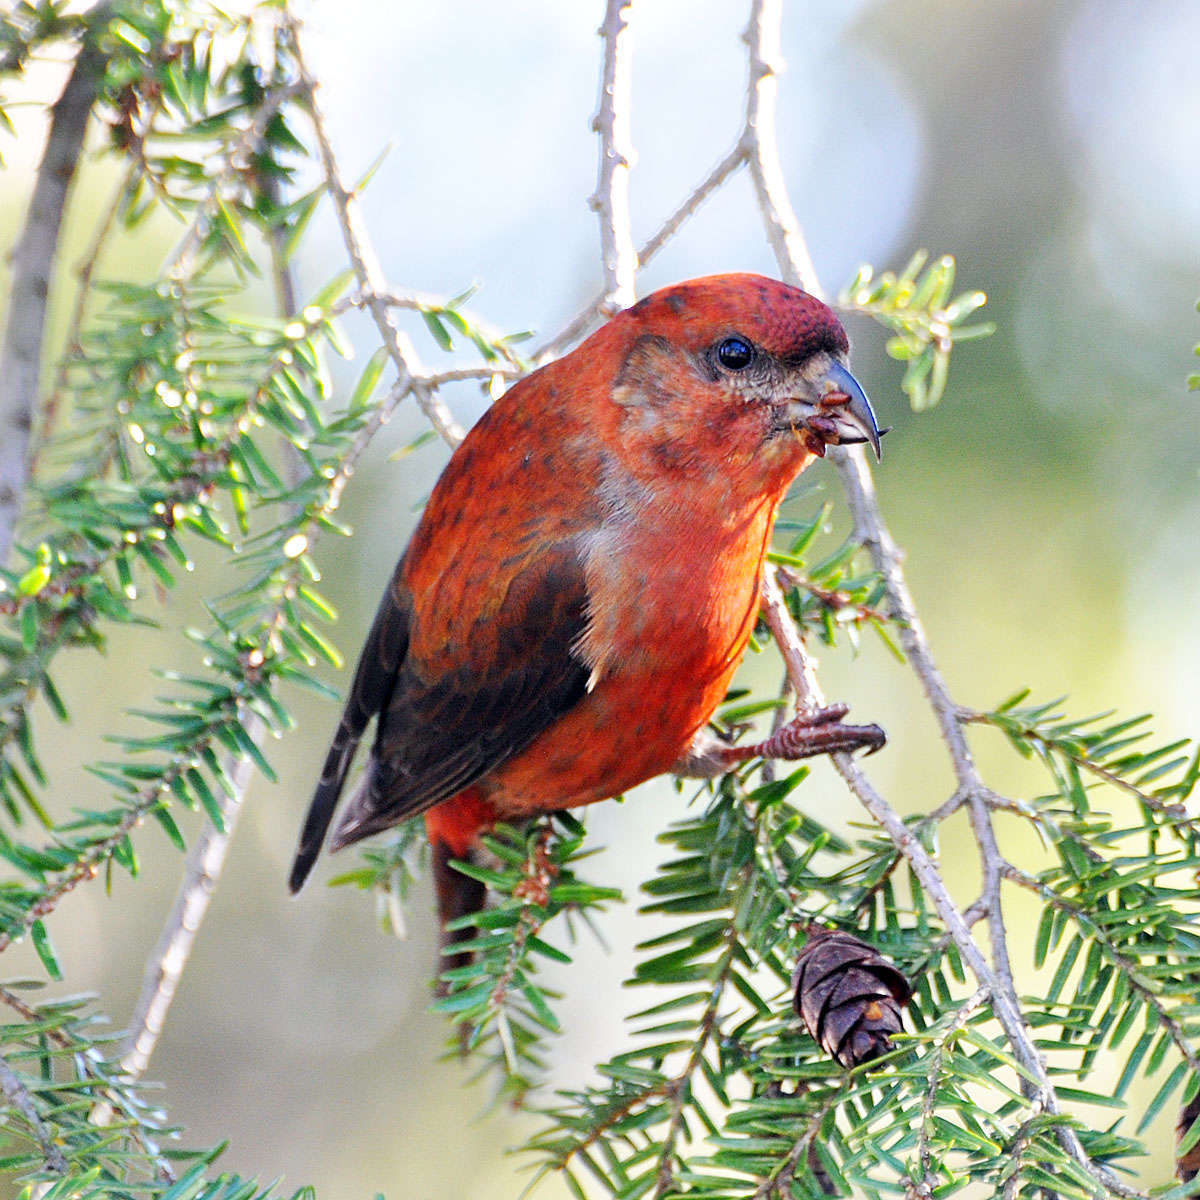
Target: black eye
x: 734, y: 353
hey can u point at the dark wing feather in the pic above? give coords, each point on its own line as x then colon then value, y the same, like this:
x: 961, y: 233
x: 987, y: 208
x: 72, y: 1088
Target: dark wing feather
x: 440, y: 735
x: 374, y: 681
x: 440, y: 730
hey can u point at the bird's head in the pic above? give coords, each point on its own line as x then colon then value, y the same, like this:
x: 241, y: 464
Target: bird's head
x: 733, y: 370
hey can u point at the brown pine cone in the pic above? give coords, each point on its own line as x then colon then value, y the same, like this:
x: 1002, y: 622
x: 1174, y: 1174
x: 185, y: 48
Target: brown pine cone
x: 849, y: 996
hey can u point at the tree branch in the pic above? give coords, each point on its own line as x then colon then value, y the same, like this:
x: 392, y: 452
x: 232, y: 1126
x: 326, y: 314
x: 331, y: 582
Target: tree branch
x: 761, y: 145
x: 202, y: 870
x: 182, y: 261
x: 779, y: 1181
x: 366, y: 264
x: 19, y: 1097
x: 611, y: 198
x: 677, y: 1089
x: 869, y: 527
x: 1127, y: 966
x: 763, y: 39
x: 1005, y: 1004
x: 88, y: 1063
x: 934, y: 1069
x: 665, y: 232
x: 32, y: 275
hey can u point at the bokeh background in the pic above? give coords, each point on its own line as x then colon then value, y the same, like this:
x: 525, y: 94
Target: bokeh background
x: 1048, y: 507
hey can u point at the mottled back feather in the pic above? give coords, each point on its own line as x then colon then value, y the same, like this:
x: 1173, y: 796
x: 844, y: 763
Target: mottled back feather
x: 437, y: 735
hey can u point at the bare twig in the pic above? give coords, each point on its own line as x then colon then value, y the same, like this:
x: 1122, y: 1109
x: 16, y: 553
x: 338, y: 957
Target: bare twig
x: 791, y: 644
x: 424, y: 302
x: 480, y: 374
x: 873, y: 532
x: 755, y: 145
x: 32, y: 272
x: 202, y: 870
x: 762, y: 147
x: 611, y: 199
x: 366, y: 264
x: 667, y: 230
x: 709, y: 184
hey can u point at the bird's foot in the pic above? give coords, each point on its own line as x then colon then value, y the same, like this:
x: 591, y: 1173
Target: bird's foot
x: 808, y: 734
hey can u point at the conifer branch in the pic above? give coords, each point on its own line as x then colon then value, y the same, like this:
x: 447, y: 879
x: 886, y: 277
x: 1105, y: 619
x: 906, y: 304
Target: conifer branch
x: 796, y: 267
x: 32, y: 277
x: 18, y: 1096
x: 83, y: 291
x: 206, y: 857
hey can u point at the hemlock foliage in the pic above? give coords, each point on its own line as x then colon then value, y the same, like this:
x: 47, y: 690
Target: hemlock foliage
x: 175, y: 422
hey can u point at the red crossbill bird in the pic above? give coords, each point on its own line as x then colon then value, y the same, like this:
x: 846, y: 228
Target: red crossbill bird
x: 586, y: 574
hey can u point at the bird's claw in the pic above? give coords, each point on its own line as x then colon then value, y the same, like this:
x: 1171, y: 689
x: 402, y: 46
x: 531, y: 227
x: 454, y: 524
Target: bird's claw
x: 811, y: 733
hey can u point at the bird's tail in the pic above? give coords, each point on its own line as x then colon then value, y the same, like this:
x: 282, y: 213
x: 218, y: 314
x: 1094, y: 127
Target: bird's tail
x: 457, y: 896
x: 454, y: 828
x: 324, y: 801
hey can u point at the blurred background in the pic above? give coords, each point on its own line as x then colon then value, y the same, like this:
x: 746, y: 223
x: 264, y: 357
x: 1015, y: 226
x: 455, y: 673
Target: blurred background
x: 1048, y: 507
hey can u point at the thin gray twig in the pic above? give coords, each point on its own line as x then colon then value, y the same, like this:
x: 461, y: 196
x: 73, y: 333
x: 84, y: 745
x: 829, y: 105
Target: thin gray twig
x: 366, y: 263
x: 19, y: 1097
x: 611, y: 198
x: 761, y: 143
x: 202, y: 870
x: 667, y: 230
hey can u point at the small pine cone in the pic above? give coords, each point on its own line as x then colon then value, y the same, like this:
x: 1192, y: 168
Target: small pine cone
x: 1188, y: 1166
x: 849, y: 996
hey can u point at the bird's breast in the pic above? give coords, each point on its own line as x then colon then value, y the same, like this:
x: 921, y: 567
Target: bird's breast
x: 671, y: 605
x: 670, y: 588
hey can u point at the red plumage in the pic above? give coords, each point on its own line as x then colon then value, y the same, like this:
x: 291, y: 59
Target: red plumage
x: 583, y: 582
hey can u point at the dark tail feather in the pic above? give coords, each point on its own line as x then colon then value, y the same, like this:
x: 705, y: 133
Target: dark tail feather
x: 324, y: 801
x: 457, y: 895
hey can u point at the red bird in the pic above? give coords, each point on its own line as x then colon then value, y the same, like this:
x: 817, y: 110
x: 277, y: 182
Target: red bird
x: 585, y: 577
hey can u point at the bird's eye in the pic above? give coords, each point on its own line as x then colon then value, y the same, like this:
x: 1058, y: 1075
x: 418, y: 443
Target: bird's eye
x: 734, y: 353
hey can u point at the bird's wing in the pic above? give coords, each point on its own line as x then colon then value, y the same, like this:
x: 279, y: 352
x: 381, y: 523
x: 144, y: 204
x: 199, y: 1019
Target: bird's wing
x: 515, y: 671
x: 382, y: 656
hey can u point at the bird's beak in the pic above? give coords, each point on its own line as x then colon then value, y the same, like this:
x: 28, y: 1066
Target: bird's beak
x: 846, y: 402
